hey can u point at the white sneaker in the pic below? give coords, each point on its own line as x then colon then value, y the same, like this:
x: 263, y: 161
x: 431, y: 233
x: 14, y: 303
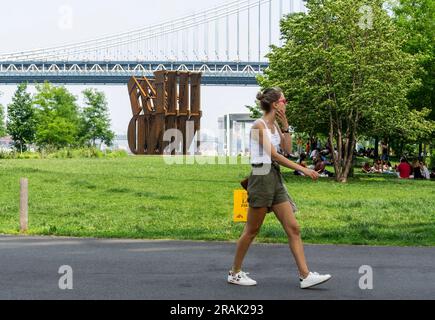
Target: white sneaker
x: 314, y: 279
x: 241, y: 279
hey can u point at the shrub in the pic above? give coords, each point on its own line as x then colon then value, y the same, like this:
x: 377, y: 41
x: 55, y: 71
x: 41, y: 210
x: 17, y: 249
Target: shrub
x: 28, y: 155
x: 116, y: 154
x: 4, y: 154
x: 86, y: 153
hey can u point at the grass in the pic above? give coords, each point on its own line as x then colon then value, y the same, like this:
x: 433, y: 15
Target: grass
x: 142, y: 197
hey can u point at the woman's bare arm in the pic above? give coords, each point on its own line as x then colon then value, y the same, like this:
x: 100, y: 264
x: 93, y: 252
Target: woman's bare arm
x: 269, y: 149
x: 286, y: 140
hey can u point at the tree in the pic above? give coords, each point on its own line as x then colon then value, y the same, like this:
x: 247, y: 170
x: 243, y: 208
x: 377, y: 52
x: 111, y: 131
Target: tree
x: 341, y: 67
x: 2, y: 122
x: 58, y: 117
x: 21, y: 121
x: 96, y: 119
x: 415, y: 19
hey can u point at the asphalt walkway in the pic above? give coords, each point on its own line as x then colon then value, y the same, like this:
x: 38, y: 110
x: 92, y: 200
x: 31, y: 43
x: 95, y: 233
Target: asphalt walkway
x: 154, y: 270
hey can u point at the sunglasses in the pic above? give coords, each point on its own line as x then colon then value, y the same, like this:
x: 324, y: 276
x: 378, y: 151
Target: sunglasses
x: 283, y: 101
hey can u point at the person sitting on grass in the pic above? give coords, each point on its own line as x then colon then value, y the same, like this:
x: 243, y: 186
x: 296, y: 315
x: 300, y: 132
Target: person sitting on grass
x: 324, y: 155
x: 424, y: 170
x: 377, y: 167
x: 404, y: 170
x: 302, y: 162
x: 416, y: 170
x: 387, y: 168
x: 315, y: 153
x: 320, y: 167
x: 366, y: 168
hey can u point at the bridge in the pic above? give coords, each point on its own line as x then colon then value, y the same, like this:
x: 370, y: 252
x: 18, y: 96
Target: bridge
x: 227, y: 43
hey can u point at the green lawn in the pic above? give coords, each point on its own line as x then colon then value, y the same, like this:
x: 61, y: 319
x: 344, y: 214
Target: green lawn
x: 142, y: 197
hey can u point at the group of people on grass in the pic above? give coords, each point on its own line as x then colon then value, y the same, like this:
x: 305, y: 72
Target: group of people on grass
x: 322, y: 157
x: 416, y: 170
x: 371, y: 153
x: 366, y: 152
x: 405, y: 170
x: 320, y: 162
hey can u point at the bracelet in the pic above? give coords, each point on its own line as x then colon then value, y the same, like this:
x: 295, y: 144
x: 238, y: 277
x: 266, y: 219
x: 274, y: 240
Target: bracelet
x: 290, y: 129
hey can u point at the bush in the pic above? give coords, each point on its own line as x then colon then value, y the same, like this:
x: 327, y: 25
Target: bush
x: 116, y: 154
x: 4, y: 154
x: 82, y: 153
x: 18, y: 155
x: 28, y: 155
x: 60, y: 154
x: 76, y: 153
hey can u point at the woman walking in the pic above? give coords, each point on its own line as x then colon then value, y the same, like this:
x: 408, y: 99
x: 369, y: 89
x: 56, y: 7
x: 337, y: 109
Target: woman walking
x: 266, y: 189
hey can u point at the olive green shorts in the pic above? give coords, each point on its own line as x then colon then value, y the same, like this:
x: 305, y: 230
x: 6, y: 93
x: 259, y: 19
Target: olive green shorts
x: 268, y: 189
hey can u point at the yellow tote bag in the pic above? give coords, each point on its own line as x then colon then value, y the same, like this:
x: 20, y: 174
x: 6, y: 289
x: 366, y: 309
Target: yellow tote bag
x: 241, y: 206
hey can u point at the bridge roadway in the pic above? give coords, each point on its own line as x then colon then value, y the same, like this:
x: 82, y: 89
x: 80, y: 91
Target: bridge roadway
x: 118, y: 72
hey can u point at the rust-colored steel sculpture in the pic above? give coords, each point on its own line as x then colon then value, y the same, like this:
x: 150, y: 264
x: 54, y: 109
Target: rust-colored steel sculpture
x: 168, y: 102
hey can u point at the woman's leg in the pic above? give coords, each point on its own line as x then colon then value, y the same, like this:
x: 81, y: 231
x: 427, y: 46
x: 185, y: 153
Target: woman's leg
x: 255, y: 220
x: 285, y: 215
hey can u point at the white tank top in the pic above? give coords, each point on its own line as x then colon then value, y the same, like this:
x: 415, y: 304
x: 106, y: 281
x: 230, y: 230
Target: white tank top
x: 258, y: 155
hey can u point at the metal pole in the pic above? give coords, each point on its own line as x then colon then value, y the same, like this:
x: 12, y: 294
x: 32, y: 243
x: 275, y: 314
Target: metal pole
x: 184, y: 49
x: 259, y: 30
x: 24, y: 207
x: 206, y: 37
x: 228, y: 36
x: 243, y: 138
x: 195, y: 39
x: 249, y: 31
x: 228, y: 136
x: 174, y: 43
x: 217, y: 39
x: 238, y: 33
x: 280, y: 17
x: 270, y: 23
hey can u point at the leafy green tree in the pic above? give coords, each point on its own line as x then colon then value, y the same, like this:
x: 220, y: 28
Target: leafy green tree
x: 58, y: 117
x: 255, y: 111
x: 21, y: 120
x: 343, y: 69
x: 2, y: 121
x: 416, y: 19
x: 96, y: 119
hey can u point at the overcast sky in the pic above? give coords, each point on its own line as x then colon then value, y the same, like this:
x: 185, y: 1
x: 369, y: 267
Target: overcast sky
x: 35, y: 24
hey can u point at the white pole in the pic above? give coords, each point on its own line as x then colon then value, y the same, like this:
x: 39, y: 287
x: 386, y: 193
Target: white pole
x: 270, y: 23
x: 228, y: 136
x: 259, y: 30
x: 249, y: 32
x: 24, y: 208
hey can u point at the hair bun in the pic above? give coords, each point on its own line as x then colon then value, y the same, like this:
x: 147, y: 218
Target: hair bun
x: 260, y: 96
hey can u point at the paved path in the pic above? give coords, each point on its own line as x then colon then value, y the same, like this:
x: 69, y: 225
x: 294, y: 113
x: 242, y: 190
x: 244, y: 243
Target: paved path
x: 126, y: 269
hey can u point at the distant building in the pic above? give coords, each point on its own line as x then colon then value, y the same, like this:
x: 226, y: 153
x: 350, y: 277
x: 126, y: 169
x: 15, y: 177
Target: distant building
x: 121, y: 143
x: 234, y: 130
x: 6, y: 143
